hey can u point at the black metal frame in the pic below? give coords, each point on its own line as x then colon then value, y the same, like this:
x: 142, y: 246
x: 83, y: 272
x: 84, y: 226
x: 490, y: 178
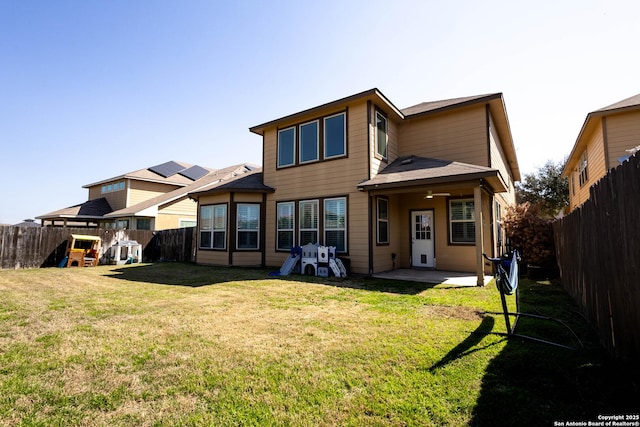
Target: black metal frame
x: 500, y: 275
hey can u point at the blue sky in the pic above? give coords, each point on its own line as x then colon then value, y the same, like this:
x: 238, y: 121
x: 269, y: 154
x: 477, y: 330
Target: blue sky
x: 93, y: 89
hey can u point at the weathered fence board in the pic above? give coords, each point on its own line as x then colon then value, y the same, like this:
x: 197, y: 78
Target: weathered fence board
x: 34, y: 247
x: 598, y: 249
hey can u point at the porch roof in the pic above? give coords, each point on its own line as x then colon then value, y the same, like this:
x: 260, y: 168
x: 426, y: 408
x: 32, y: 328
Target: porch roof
x: 411, y: 171
x: 251, y: 182
x: 91, y: 209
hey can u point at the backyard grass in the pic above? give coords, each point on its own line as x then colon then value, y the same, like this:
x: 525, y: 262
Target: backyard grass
x: 178, y: 344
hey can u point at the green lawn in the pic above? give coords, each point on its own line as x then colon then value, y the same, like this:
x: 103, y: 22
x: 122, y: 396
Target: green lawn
x: 178, y: 344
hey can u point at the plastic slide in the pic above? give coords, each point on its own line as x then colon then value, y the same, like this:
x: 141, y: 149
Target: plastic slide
x: 289, y: 264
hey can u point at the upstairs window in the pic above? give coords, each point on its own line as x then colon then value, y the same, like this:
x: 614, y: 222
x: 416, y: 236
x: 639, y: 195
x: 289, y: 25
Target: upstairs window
x: 116, y: 186
x: 381, y: 135
x: 462, y: 221
x: 335, y: 136
x: 286, y: 147
x: 582, y: 169
x: 309, y: 139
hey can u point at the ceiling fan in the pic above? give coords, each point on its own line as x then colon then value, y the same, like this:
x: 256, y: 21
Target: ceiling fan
x: 431, y: 194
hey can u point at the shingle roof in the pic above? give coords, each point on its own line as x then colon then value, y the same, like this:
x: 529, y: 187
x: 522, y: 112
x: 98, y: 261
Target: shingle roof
x: 413, y: 170
x: 147, y: 174
x: 632, y: 101
x: 95, y: 208
x: 251, y: 182
x: 426, y: 107
x: 213, y: 178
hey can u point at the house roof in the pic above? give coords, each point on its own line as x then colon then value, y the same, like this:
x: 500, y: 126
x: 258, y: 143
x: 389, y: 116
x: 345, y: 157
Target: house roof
x: 590, y: 123
x: 91, y: 209
x: 150, y: 207
x: 171, y: 172
x: 382, y: 102
x: 251, y: 182
x: 494, y: 100
x: 427, y: 107
x: 632, y: 101
x: 100, y: 208
x: 28, y: 223
x: 417, y: 171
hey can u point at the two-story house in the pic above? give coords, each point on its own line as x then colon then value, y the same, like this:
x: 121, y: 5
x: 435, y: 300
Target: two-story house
x: 153, y: 198
x: 605, y: 140
x: 422, y: 187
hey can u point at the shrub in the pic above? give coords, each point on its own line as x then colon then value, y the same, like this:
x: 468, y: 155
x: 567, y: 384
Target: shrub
x: 530, y: 232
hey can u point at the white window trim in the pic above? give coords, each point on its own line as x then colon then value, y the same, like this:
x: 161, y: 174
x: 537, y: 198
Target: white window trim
x: 343, y: 229
x: 583, y: 173
x: 378, y: 220
x: 452, y: 221
x: 214, y: 230
x: 293, y: 225
x: 386, y: 135
x: 300, y: 214
x: 247, y: 230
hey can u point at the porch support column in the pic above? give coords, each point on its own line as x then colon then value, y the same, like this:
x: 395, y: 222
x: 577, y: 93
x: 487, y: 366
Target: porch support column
x: 477, y: 208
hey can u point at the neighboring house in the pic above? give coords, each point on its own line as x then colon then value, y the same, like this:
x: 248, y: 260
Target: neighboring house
x: 154, y: 198
x: 606, y: 139
x: 28, y: 223
x: 421, y: 187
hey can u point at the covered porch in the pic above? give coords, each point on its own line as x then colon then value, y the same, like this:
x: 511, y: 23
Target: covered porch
x: 432, y: 217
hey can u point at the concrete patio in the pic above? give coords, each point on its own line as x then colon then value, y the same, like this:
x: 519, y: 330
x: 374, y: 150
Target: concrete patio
x: 449, y: 278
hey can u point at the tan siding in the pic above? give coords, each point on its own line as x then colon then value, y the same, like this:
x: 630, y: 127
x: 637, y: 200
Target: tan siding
x: 140, y: 191
x: 212, y: 257
x: 596, y: 168
x: 169, y: 221
x: 117, y: 199
x: 457, y: 136
x: 95, y: 192
x: 623, y: 133
x: 498, y: 160
x: 247, y: 259
x: 377, y: 163
x: 184, y: 206
x: 382, y: 260
x: 247, y: 197
x: 338, y: 177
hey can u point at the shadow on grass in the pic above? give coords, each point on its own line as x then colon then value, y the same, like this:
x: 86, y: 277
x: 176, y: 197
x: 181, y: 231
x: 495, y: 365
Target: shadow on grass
x: 466, y: 347
x: 533, y: 384
x: 193, y: 275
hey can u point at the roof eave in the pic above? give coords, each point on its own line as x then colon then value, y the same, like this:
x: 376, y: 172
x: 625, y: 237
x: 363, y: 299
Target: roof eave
x: 375, y: 93
x: 492, y: 176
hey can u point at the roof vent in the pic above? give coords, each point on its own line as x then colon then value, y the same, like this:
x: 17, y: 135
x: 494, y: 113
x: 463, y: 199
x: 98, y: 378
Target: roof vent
x: 407, y: 161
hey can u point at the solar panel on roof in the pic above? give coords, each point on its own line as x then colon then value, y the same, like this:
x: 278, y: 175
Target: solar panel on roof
x: 167, y: 169
x: 194, y: 173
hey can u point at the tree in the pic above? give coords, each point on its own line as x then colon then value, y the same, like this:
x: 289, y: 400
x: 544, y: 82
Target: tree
x: 546, y: 188
x: 529, y: 232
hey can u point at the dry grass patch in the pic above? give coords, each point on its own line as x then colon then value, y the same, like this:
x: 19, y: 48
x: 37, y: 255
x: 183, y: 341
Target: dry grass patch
x: 177, y: 344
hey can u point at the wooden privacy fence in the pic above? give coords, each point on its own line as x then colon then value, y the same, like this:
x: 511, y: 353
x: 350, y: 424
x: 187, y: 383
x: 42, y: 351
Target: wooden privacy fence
x: 34, y: 247
x: 598, y: 250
